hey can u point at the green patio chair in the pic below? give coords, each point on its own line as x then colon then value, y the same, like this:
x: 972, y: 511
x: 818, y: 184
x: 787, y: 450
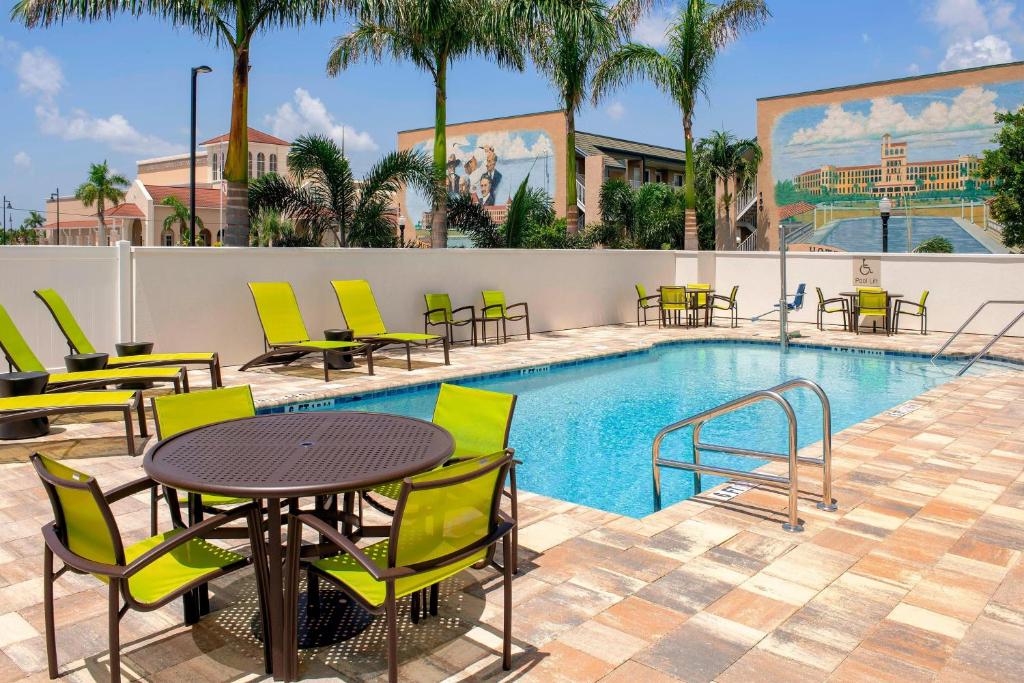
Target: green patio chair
x: 15, y: 408
x: 720, y: 302
x: 699, y: 300
x: 440, y: 312
x: 671, y: 304
x: 362, y: 315
x: 20, y: 358
x: 144, y: 576
x: 836, y: 304
x: 912, y: 308
x: 448, y: 520
x: 285, y: 338
x: 871, y: 303
x: 79, y: 343
x: 644, y: 302
x: 495, y: 309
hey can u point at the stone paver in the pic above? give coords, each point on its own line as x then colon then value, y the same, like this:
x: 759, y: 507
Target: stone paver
x: 918, y: 576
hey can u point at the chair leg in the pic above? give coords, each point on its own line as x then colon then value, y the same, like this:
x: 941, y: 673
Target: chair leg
x: 434, y: 595
x: 515, y: 516
x: 414, y: 611
x: 392, y: 625
x: 113, y: 628
x: 51, y: 637
x: 129, y: 431
x: 408, y: 356
x: 504, y: 331
x: 154, y: 498
x: 527, y: 326
x: 506, y: 644
x: 447, y: 361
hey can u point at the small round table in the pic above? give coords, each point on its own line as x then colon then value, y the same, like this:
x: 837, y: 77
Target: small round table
x: 134, y: 349
x: 24, y: 384
x: 84, y: 362
x: 282, y: 457
x: 337, y: 360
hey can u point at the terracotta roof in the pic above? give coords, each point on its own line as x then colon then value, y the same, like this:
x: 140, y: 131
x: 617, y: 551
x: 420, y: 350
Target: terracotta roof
x: 73, y: 224
x: 790, y: 210
x: 125, y: 211
x: 206, y: 198
x: 254, y: 136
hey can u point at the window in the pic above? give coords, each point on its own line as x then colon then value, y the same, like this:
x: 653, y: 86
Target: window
x: 261, y: 164
x: 250, y: 164
x: 214, y: 168
x: 167, y: 237
x: 677, y: 180
x: 647, y: 176
x: 273, y: 163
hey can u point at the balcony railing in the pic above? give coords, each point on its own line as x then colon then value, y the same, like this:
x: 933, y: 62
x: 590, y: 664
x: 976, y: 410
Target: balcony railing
x: 749, y: 244
x: 744, y: 199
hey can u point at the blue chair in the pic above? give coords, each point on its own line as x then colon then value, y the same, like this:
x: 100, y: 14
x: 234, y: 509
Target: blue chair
x: 798, y: 299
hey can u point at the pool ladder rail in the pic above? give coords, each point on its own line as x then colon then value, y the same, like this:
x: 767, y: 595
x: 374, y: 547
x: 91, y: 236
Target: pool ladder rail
x: 999, y: 335
x: 791, y: 482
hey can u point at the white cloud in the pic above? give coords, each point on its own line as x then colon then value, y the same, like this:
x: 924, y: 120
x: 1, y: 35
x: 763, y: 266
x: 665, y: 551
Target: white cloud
x: 616, y: 110
x: 39, y: 73
x: 973, y: 107
x: 115, y: 131
x: 651, y: 29
x: 967, y: 53
x: 913, y: 69
x: 22, y: 159
x: 308, y: 114
x: 865, y: 38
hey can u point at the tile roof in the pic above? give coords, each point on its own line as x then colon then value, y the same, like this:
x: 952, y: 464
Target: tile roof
x: 206, y: 198
x: 73, y: 224
x: 591, y: 144
x: 125, y: 211
x: 790, y: 210
x: 254, y: 136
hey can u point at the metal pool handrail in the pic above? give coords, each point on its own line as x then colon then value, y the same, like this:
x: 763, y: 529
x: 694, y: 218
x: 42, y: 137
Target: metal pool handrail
x: 999, y: 335
x: 790, y: 482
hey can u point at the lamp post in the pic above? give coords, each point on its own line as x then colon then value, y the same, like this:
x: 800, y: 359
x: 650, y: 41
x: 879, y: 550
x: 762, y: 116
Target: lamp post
x: 7, y: 205
x: 196, y: 70
x: 783, y: 310
x: 56, y: 196
x: 401, y: 229
x: 884, y: 209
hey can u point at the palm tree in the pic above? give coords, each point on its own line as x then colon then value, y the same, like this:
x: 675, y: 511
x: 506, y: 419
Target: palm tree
x: 432, y: 34
x: 327, y: 199
x: 33, y: 221
x: 684, y: 69
x: 101, y: 187
x: 730, y: 158
x: 180, y: 215
x: 226, y: 21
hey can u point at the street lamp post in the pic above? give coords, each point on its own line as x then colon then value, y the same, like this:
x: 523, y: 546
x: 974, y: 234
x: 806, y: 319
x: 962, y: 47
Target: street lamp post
x: 7, y: 205
x: 401, y: 230
x: 884, y: 209
x: 196, y: 70
x: 56, y: 196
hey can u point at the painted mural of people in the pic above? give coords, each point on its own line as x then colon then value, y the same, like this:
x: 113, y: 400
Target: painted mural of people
x: 464, y: 185
x: 452, y: 177
x: 486, y: 192
x: 490, y: 168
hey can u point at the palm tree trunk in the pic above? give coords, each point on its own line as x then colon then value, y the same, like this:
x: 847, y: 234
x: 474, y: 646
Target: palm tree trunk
x: 102, y: 241
x: 729, y: 227
x: 439, y: 209
x: 236, y: 165
x: 690, y: 233
x: 571, y: 210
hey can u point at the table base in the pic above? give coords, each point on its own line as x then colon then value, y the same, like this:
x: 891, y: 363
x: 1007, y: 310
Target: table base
x: 336, y: 619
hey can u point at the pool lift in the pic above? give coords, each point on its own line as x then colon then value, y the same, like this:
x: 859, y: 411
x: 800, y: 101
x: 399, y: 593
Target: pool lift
x: 785, y: 305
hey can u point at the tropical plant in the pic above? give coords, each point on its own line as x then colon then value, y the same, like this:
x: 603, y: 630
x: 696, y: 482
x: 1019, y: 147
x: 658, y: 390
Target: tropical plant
x: 729, y: 158
x: 100, y: 187
x: 683, y: 70
x: 228, y: 22
x: 530, y: 210
x: 1002, y: 166
x: 472, y: 219
x: 180, y: 214
x: 326, y: 198
x: 647, y: 217
x: 935, y: 245
x: 432, y: 34
x: 267, y: 228
x: 33, y: 221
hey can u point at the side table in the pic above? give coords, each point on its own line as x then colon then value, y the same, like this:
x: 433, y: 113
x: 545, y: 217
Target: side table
x: 24, y: 384
x: 84, y: 362
x: 134, y: 349
x: 336, y: 360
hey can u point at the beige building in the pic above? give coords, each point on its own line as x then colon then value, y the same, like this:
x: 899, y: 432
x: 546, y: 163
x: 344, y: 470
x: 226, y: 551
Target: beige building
x: 140, y: 218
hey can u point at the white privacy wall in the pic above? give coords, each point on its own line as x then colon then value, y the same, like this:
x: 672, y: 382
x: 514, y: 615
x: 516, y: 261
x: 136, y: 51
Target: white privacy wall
x: 193, y: 299
x: 85, y: 276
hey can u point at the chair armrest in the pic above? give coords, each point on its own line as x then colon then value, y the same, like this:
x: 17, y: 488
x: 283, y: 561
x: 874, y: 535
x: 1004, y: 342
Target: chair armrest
x: 188, y: 534
x: 835, y: 300
x: 432, y: 311
x: 721, y: 297
x: 74, y: 561
x: 521, y: 303
x: 649, y: 296
x: 487, y: 308
x: 334, y: 536
x: 130, y: 489
x: 471, y: 309
x: 500, y: 531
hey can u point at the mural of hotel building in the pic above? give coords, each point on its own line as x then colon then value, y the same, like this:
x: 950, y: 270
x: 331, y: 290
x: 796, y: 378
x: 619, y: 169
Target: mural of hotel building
x: 894, y: 176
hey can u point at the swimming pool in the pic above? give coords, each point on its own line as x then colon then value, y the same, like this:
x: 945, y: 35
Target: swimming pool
x: 584, y: 431
x: 865, y: 234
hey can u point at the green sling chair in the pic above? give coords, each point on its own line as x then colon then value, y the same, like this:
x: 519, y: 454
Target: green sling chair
x: 644, y: 301
x: 871, y: 302
x: 834, y: 305
x: 143, y: 576
x: 728, y: 304
x: 698, y: 299
x: 440, y: 312
x: 79, y: 343
x: 916, y: 309
x: 495, y: 309
x: 285, y: 338
x: 447, y: 520
x: 21, y: 358
x: 15, y: 408
x: 671, y: 302
x: 363, y: 317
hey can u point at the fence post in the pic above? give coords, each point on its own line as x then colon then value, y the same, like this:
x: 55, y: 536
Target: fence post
x: 125, y: 323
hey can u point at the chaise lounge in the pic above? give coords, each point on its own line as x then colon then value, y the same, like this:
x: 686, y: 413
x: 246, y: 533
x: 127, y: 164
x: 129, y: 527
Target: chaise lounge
x: 16, y: 408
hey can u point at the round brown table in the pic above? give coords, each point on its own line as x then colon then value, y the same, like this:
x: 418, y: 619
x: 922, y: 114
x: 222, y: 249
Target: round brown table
x: 282, y: 457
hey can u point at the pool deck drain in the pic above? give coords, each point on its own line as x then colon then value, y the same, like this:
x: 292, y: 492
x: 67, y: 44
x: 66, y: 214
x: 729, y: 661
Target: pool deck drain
x: 919, y: 576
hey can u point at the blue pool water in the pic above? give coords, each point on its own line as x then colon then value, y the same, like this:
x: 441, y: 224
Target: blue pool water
x: 584, y: 431
x: 865, y: 234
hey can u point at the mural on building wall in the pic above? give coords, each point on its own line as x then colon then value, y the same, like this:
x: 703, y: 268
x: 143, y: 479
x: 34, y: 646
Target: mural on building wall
x: 489, y: 168
x: 922, y: 147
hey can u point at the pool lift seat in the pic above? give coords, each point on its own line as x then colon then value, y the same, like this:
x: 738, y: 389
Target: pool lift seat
x: 795, y: 305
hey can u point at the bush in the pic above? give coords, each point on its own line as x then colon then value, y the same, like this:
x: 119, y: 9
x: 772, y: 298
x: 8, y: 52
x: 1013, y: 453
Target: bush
x: 935, y: 245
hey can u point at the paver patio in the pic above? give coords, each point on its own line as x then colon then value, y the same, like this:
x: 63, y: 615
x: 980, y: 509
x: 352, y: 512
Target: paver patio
x: 918, y: 576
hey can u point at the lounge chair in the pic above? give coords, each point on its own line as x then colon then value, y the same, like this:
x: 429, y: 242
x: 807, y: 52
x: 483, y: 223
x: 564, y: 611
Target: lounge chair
x: 285, y: 338
x: 362, y: 315
x: 644, y: 302
x: 143, y: 576
x: 440, y: 312
x: 916, y: 309
x: 448, y: 521
x: 495, y: 309
x: 15, y: 408
x: 728, y: 304
x: 79, y: 343
x: 834, y: 305
x: 21, y: 358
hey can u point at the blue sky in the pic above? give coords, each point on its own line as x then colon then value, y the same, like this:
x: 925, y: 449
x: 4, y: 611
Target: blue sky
x: 119, y: 90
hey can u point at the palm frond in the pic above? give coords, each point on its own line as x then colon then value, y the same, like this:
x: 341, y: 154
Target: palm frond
x: 629, y: 63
